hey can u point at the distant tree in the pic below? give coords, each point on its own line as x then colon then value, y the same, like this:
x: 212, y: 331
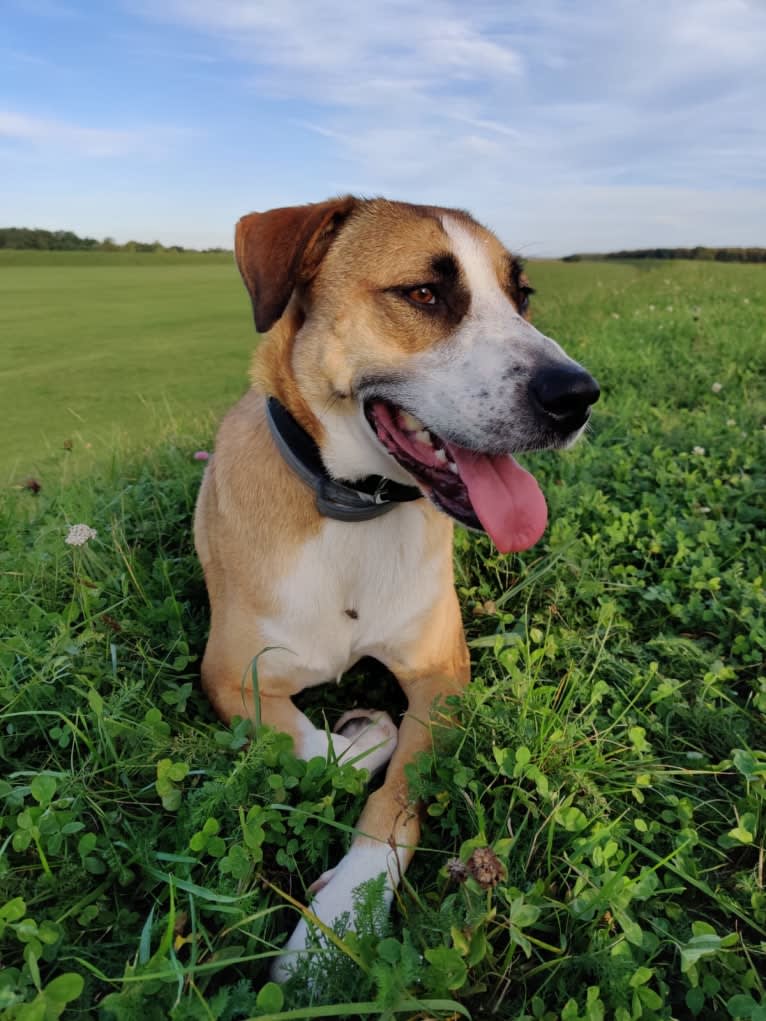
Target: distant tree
x: 35, y: 238
x: 699, y: 252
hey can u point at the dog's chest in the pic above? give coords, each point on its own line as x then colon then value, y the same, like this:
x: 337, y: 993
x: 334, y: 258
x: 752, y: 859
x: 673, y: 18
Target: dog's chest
x: 355, y: 590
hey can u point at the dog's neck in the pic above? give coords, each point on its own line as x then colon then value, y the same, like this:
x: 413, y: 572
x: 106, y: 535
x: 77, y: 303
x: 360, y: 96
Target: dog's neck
x: 367, y: 498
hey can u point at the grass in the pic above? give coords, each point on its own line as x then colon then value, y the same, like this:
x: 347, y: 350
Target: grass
x: 609, y: 753
x: 95, y: 344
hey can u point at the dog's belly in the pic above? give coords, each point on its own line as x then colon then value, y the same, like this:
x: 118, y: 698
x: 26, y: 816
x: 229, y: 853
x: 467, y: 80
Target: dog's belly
x: 354, y: 590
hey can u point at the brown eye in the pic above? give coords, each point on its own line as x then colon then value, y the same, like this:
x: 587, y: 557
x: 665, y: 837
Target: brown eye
x: 422, y: 296
x: 525, y: 294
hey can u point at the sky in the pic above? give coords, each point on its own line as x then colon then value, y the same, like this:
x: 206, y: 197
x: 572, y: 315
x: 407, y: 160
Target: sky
x: 565, y: 125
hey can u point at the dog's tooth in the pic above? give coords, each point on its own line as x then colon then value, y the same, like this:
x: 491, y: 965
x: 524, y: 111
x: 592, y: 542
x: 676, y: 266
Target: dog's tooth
x: 409, y: 422
x: 424, y: 437
x: 453, y: 467
x: 441, y: 455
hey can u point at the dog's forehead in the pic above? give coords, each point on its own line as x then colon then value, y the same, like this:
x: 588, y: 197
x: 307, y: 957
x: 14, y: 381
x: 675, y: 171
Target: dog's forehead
x: 483, y: 259
x: 396, y: 237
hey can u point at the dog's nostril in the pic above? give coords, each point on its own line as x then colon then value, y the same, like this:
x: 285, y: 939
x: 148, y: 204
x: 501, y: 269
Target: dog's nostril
x: 564, y: 393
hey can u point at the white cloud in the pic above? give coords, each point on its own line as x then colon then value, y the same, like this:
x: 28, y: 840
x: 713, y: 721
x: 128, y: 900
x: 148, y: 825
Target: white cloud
x: 44, y: 9
x: 53, y: 133
x: 350, y: 53
x: 607, y: 218
x: 567, y: 125
x: 662, y: 92
x: 63, y: 136
x: 348, y: 36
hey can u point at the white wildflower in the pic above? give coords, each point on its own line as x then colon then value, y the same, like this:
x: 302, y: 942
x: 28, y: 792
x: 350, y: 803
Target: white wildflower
x: 704, y: 510
x: 745, y: 301
x: 651, y: 308
x: 615, y: 315
x: 731, y: 421
x: 717, y: 387
x: 669, y: 308
x: 699, y: 451
x: 78, y: 535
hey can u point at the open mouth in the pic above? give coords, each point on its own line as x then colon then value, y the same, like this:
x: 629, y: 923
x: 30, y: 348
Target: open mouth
x: 490, y: 492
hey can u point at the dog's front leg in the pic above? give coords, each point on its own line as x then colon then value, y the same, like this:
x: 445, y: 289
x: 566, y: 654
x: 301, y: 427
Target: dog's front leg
x: 365, y: 739
x: 389, y: 828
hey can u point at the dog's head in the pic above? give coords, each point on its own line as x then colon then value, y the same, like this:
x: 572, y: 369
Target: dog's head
x: 399, y: 336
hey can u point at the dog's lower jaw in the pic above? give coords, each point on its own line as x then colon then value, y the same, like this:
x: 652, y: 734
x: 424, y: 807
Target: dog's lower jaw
x: 350, y: 450
x: 334, y: 902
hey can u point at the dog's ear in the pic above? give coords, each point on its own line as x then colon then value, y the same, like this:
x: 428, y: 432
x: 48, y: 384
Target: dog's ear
x: 282, y: 248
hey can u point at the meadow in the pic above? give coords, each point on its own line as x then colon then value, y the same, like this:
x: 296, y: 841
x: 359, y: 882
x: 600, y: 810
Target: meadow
x: 608, y: 760
x: 101, y: 345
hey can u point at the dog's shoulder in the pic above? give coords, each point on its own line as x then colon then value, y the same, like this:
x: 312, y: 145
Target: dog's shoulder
x: 247, y: 485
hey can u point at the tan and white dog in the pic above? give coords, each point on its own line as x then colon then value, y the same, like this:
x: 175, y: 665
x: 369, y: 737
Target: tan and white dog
x: 397, y: 338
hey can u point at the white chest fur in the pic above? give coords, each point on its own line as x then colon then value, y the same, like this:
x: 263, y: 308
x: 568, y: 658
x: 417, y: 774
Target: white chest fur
x: 354, y: 590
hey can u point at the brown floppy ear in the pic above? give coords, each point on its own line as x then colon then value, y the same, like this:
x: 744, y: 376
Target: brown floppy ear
x: 279, y: 249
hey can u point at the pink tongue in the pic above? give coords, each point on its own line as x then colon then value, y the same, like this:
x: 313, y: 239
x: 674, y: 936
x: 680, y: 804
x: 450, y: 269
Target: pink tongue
x: 507, y: 500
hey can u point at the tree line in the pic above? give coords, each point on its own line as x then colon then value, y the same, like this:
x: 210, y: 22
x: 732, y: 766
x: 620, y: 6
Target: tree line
x: 699, y: 252
x: 27, y: 238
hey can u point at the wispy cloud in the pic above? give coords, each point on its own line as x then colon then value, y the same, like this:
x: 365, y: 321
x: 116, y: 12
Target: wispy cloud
x: 22, y: 57
x: 333, y: 43
x: 47, y: 134
x: 442, y: 100
x: 51, y: 133
x: 583, y: 118
x: 45, y: 8
x: 596, y: 91
x: 598, y: 218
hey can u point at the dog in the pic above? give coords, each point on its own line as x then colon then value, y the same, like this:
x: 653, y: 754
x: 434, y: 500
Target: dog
x: 398, y: 375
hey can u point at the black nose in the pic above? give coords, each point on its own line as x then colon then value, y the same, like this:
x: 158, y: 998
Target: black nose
x: 564, y: 395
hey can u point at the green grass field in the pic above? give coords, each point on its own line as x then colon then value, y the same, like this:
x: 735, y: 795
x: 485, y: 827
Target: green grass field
x: 611, y: 750
x: 97, y: 347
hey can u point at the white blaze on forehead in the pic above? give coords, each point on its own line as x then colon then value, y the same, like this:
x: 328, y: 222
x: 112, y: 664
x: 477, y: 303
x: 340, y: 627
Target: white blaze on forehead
x: 472, y: 253
x: 493, y: 321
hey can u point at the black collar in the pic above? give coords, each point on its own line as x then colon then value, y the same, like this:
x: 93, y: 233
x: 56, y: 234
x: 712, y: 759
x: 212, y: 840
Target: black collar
x: 367, y: 498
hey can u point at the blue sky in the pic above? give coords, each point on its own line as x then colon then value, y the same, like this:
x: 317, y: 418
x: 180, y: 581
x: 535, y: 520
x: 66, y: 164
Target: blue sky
x: 566, y: 126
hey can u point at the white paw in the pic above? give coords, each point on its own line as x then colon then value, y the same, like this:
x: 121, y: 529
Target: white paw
x: 335, y: 897
x: 372, y: 737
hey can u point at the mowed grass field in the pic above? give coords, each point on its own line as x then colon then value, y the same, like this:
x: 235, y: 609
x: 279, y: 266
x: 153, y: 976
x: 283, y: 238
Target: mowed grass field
x: 607, y: 765
x: 98, y: 347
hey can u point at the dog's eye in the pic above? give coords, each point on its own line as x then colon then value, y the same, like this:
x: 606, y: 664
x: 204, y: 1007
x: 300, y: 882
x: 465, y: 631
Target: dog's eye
x: 525, y: 295
x: 422, y: 295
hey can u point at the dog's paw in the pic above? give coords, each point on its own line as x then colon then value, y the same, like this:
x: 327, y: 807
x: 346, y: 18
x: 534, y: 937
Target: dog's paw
x: 334, y: 901
x: 372, y: 737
